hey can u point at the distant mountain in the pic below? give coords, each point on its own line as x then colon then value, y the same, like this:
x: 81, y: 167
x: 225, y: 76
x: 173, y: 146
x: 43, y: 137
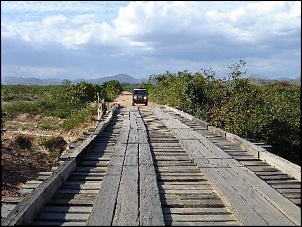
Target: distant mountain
x: 29, y: 81
x: 122, y: 78
x: 265, y: 80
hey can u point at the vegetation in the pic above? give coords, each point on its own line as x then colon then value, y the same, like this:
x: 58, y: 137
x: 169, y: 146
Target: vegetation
x: 74, y: 102
x: 37, y: 123
x: 268, y: 113
x: 53, y: 143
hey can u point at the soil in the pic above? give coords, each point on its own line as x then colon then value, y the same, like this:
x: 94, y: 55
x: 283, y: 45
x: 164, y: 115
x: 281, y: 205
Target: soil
x: 23, y: 156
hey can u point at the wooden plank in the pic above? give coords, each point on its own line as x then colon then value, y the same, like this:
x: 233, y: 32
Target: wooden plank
x: 150, y: 206
x: 126, y: 211
x: 169, y: 145
x: 145, y: 156
x: 94, y: 163
x: 83, y: 186
x: 183, y: 133
x: 216, y: 163
x: 288, y: 190
x: 79, y: 191
x: 172, y: 192
x: 196, y: 210
x: 131, y: 156
x: 182, y: 173
x: 192, y: 203
x: 90, y: 169
x: 6, y: 208
x: 141, y: 130
x: 104, y: 205
x: 172, y: 123
x: 95, y: 158
x: 73, y: 202
x: 203, y: 218
x: 278, y: 211
x: 172, y: 158
x: 187, y: 196
x: 69, y: 209
x: 185, y: 187
x: 196, y: 150
x: 124, y: 133
x: 6, y: 199
x: 258, y: 169
x: 133, y: 134
x: 211, y: 146
x: 284, y: 205
x: 202, y: 223
x: 174, y: 163
x: 62, y: 216
x: 58, y: 223
x: 142, y: 136
x: 25, y: 191
x: 82, y: 196
x: 181, y: 178
x: 243, y: 212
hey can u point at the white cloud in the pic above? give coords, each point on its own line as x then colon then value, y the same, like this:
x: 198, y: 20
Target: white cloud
x: 168, y: 33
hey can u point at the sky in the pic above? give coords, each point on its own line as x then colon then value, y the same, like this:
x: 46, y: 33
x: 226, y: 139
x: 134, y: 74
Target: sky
x: 94, y: 39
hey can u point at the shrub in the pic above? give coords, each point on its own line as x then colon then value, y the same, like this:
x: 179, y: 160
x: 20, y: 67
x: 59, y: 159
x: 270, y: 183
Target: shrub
x: 24, y: 141
x: 53, y: 143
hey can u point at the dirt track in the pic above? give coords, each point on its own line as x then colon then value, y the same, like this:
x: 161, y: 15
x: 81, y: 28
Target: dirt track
x: 125, y: 100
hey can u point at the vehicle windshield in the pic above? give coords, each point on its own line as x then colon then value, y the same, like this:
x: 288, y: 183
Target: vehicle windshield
x: 140, y: 92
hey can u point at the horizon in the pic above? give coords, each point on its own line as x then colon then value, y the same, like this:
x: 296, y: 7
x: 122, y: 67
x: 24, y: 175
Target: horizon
x: 81, y: 39
x: 143, y: 78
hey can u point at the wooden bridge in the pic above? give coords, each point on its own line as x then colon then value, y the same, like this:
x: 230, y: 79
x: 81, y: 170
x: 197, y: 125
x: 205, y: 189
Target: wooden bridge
x: 144, y: 166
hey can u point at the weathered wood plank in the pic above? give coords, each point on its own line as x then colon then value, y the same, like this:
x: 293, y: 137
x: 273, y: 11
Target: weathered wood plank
x: 62, y: 216
x: 245, y: 214
x: 104, y: 205
x: 131, y: 157
x: 218, y: 152
x: 6, y: 208
x: 196, y: 210
x: 196, y: 218
x: 69, y: 209
x: 79, y: 191
x: 186, y: 191
x: 59, y: 223
x: 245, y: 183
x: 126, y: 211
x: 192, y: 203
x: 150, y: 206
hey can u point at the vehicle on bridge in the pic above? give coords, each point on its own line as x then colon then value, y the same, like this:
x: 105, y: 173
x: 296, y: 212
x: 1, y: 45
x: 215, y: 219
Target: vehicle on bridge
x: 140, y: 95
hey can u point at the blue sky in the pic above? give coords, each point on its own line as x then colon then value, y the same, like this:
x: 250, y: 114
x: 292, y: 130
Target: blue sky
x: 93, y: 39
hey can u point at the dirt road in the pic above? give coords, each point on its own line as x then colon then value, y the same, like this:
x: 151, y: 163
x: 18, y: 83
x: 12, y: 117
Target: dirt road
x: 125, y: 100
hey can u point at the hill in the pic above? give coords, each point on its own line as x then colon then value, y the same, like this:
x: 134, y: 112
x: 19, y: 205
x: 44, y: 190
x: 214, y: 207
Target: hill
x: 122, y: 78
x: 264, y: 80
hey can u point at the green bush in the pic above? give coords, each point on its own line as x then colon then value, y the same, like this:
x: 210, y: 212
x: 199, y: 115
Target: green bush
x: 79, y: 116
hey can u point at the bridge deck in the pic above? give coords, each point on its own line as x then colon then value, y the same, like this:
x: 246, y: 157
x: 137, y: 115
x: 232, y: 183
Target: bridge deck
x: 163, y: 169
